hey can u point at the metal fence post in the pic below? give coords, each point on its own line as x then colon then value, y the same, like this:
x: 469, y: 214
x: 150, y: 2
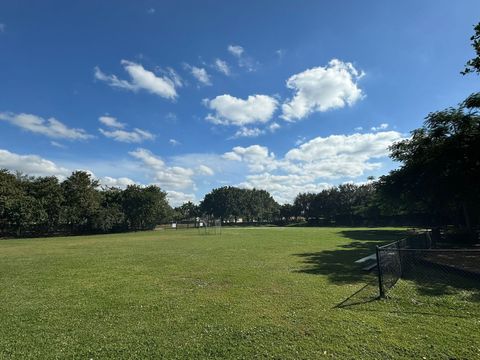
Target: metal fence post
x: 379, y: 268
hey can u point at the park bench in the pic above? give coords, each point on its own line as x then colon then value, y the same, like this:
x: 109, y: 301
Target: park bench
x: 370, y: 259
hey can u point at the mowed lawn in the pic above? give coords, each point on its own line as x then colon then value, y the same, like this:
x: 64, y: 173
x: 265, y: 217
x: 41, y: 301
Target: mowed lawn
x: 247, y: 293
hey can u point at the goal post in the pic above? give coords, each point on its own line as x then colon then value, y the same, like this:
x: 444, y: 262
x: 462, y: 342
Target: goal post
x: 210, y: 226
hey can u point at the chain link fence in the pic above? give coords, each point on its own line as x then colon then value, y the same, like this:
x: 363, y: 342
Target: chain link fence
x: 429, y: 270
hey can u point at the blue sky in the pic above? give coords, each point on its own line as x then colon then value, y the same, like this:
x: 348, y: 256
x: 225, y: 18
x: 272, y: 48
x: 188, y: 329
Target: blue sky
x: 191, y: 95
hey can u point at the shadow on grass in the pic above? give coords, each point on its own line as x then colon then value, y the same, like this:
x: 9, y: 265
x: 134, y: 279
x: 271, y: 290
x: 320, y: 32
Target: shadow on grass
x: 339, y: 264
x: 441, y: 281
x: 405, y: 311
x: 385, y: 236
x: 408, y: 304
x: 365, y: 295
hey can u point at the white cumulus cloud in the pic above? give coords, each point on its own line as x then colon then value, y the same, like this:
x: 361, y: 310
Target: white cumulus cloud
x: 172, y: 75
x: 257, y: 157
x: 110, y: 121
x: 177, y: 198
x: 229, y: 110
x: 334, y: 146
x: 57, y: 144
x: 168, y: 177
x: 117, y: 132
x: 35, y: 165
x: 222, y: 67
x: 121, y: 182
x: 274, y: 127
x: 380, y: 127
x: 50, y: 127
x: 322, y: 88
x: 201, y: 75
x: 31, y: 165
x: 245, y: 131
x: 134, y: 136
x: 244, y: 61
x: 235, y: 50
x: 248, y: 132
x: 205, y: 170
x: 142, y: 79
x: 311, y: 165
x: 284, y: 188
x: 151, y: 161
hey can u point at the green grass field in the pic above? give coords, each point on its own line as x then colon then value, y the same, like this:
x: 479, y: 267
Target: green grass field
x: 249, y: 293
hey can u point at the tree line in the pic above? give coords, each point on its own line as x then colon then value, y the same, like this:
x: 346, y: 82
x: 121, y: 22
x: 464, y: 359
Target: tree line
x: 32, y: 206
x: 346, y: 204
x: 231, y: 204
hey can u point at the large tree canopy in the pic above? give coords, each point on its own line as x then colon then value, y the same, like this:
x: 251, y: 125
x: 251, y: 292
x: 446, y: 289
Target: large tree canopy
x: 145, y: 207
x: 346, y: 204
x: 231, y: 203
x: 440, y: 166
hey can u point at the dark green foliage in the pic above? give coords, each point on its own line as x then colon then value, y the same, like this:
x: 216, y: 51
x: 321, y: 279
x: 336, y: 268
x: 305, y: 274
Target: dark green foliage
x: 346, y: 204
x: 144, y: 207
x: 187, y: 211
x: 259, y: 205
x: 473, y: 65
x: 287, y: 212
x: 440, y: 169
x: 302, y: 204
x: 18, y: 208
x: 34, y: 206
x: 81, y: 201
x: 40, y: 206
x: 49, y: 195
x: 231, y: 203
x: 110, y: 216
